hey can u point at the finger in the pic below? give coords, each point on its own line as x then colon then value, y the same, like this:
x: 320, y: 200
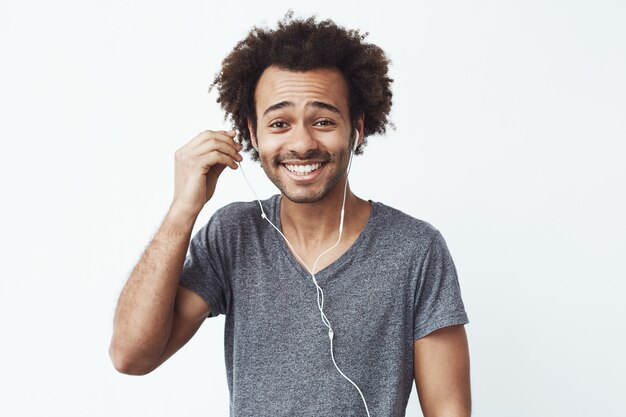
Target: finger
x: 213, y: 158
x: 208, y: 135
x: 218, y: 138
x: 218, y: 146
x: 218, y: 134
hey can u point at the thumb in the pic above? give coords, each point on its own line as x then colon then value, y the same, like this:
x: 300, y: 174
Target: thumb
x: 214, y: 172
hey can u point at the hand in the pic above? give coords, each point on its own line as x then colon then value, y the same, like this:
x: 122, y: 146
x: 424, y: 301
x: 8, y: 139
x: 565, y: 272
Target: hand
x: 198, y: 165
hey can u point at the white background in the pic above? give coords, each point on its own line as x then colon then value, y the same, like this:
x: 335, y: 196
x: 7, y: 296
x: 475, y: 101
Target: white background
x: 510, y: 140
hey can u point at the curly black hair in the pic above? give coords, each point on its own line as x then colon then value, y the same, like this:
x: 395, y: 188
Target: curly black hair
x: 302, y: 45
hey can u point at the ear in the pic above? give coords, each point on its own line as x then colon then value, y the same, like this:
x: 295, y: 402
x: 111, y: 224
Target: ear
x: 252, y: 136
x: 360, y: 124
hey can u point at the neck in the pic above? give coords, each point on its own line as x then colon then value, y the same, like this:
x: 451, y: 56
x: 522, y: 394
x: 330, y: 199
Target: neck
x: 314, y: 224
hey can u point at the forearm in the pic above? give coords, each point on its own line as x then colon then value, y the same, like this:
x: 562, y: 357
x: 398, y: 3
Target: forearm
x: 144, y: 314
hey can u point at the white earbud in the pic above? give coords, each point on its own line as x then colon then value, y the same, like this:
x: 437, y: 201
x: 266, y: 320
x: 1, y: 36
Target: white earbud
x: 356, y: 139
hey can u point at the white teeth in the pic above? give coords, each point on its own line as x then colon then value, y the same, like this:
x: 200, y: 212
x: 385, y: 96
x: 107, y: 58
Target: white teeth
x: 303, y: 169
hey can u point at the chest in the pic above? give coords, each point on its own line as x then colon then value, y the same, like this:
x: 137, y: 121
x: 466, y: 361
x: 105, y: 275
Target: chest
x: 319, y: 257
x: 361, y: 293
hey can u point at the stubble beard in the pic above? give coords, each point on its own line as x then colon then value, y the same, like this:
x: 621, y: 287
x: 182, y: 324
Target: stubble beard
x: 303, y: 194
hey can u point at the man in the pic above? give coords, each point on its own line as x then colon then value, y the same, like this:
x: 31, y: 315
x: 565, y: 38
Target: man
x: 389, y: 307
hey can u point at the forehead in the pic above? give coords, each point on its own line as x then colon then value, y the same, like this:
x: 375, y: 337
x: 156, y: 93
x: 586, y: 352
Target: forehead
x: 322, y: 84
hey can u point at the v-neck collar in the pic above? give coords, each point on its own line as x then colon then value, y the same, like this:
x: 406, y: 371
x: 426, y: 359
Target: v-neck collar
x: 344, y: 258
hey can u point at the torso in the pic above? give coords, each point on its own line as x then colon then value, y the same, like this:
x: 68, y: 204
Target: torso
x: 276, y: 345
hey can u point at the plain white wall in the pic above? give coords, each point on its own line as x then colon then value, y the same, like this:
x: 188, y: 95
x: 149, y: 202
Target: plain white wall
x: 510, y: 140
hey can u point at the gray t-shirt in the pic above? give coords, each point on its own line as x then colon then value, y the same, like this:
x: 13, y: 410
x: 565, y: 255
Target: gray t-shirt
x: 395, y: 284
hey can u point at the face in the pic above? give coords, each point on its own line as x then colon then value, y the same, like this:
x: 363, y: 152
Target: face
x: 303, y: 131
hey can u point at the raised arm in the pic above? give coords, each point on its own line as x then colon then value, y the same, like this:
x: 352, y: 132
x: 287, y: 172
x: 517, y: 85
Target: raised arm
x: 154, y: 315
x: 442, y: 373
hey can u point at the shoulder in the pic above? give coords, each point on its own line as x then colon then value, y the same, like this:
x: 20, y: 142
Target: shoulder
x: 239, y: 217
x: 241, y: 211
x: 403, y: 228
x: 233, y: 225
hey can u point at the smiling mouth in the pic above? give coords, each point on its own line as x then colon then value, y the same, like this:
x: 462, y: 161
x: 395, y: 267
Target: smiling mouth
x: 303, y: 169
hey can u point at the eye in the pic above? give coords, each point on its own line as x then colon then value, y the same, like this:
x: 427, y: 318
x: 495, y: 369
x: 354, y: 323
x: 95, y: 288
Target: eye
x: 325, y: 122
x: 278, y: 124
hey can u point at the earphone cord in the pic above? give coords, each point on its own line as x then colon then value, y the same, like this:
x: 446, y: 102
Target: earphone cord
x: 320, y: 302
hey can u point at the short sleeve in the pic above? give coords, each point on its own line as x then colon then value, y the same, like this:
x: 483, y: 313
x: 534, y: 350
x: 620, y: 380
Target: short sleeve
x: 203, y: 270
x: 438, y: 301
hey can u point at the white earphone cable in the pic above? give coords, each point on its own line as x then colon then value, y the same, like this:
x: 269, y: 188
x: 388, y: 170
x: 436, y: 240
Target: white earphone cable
x: 320, y: 302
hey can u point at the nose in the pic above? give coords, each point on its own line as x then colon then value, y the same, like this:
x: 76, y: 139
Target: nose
x: 302, y: 140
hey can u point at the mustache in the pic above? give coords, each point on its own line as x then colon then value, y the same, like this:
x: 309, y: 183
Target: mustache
x: 311, y: 154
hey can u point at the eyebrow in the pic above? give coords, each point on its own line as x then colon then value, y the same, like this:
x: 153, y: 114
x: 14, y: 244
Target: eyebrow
x: 318, y: 104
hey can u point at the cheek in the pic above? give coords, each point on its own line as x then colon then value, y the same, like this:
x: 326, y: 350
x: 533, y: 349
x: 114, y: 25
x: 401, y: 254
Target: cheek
x: 269, y: 149
x: 265, y: 157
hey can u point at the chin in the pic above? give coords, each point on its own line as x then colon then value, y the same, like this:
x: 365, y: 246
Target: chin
x: 304, y: 197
